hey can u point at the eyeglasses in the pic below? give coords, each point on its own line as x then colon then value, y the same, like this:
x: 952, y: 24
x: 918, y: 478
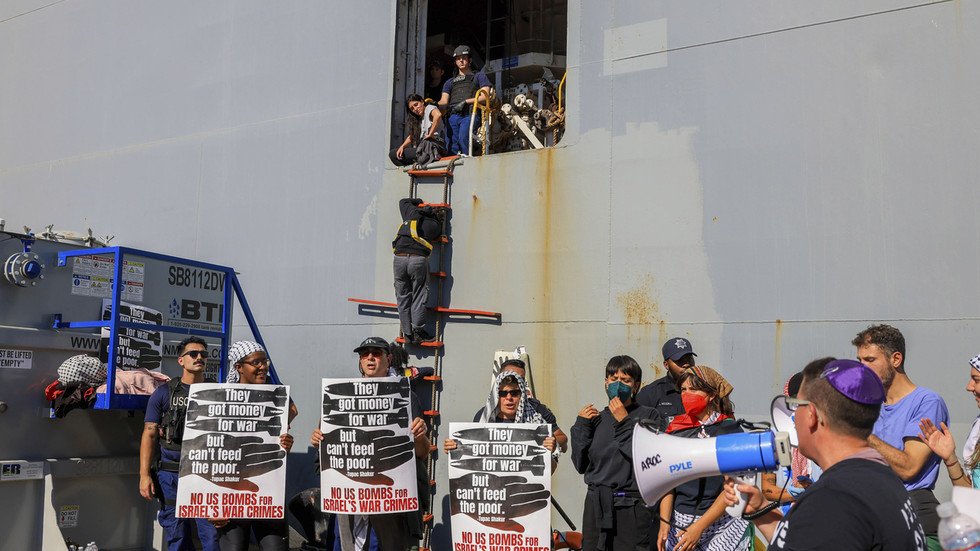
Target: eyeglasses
x: 195, y: 353
x: 375, y: 352
x: 264, y: 362
x: 793, y: 403
x: 514, y: 393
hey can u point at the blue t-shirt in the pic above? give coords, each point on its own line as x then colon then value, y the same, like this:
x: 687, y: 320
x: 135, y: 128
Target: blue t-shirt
x: 155, y: 407
x: 901, y: 420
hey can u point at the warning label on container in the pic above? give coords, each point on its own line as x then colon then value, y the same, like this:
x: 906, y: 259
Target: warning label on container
x: 68, y: 516
x: 92, y: 276
x: 15, y: 359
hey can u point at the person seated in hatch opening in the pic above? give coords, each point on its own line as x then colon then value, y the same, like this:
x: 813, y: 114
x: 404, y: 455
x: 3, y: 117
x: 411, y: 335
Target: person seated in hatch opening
x: 423, y: 128
x: 508, y: 403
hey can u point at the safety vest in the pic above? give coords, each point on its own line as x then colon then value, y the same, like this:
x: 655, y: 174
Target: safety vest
x: 172, y: 421
x: 464, y: 88
x: 409, y: 228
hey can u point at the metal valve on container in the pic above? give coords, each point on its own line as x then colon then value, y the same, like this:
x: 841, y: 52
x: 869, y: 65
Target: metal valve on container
x: 24, y: 269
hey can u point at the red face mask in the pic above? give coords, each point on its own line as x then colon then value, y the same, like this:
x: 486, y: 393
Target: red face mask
x: 694, y: 404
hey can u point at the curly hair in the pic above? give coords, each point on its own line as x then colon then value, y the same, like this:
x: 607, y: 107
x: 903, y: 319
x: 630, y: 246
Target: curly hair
x: 885, y: 337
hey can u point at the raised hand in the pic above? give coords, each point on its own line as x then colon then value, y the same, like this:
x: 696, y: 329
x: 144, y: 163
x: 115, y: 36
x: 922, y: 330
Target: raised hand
x: 939, y: 441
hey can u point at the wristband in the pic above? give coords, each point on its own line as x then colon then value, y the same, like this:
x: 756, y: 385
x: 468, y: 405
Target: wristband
x: 955, y: 462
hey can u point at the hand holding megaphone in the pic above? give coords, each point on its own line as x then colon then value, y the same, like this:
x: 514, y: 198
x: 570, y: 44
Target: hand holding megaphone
x: 742, y: 495
x: 736, y: 509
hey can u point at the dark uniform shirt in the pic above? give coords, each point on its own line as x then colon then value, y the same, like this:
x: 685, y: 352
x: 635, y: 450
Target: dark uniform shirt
x: 663, y: 396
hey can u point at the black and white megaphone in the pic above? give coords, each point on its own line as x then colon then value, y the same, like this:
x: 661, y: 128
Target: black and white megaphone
x: 782, y: 419
x: 661, y: 462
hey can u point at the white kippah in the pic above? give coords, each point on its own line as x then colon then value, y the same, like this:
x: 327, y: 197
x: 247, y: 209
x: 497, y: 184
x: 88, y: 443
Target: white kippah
x: 236, y: 353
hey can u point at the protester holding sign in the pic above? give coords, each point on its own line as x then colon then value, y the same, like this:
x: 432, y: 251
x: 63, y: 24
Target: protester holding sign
x: 615, y: 516
x: 398, y: 531
x: 249, y: 361
x: 508, y: 403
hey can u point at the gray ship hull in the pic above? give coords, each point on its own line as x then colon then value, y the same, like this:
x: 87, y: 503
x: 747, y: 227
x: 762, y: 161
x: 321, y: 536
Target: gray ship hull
x: 764, y: 179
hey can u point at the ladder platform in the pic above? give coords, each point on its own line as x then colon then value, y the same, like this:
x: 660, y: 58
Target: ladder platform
x: 374, y: 302
x: 430, y: 173
x: 460, y: 311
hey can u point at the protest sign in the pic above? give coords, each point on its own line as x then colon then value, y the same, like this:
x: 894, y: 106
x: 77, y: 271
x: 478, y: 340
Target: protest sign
x: 231, y: 463
x: 367, y: 456
x: 500, y: 487
x: 135, y: 348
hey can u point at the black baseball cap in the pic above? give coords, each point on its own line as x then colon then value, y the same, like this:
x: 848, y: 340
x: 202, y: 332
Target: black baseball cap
x: 373, y: 342
x: 677, y: 347
x: 462, y: 49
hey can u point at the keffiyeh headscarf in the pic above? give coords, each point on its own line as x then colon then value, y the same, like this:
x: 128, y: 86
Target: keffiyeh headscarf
x: 236, y: 353
x: 525, y: 413
x: 970, y: 446
x: 82, y: 369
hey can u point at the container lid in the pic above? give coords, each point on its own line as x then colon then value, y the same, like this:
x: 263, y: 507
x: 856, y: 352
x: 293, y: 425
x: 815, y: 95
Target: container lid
x: 947, y: 510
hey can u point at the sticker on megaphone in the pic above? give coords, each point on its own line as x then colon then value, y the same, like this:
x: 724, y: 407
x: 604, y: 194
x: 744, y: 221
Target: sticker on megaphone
x: 782, y: 419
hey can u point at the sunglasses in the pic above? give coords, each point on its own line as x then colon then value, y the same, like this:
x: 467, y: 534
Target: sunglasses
x: 195, y: 353
x: 793, y: 403
x: 512, y: 393
x: 375, y: 353
x: 264, y: 362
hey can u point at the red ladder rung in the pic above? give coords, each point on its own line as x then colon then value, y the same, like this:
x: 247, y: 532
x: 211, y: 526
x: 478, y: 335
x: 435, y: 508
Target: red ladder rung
x: 428, y: 517
x: 373, y: 302
x: 431, y: 413
x: 433, y: 378
x: 437, y: 274
x: 459, y: 311
x: 430, y: 173
x: 431, y: 344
